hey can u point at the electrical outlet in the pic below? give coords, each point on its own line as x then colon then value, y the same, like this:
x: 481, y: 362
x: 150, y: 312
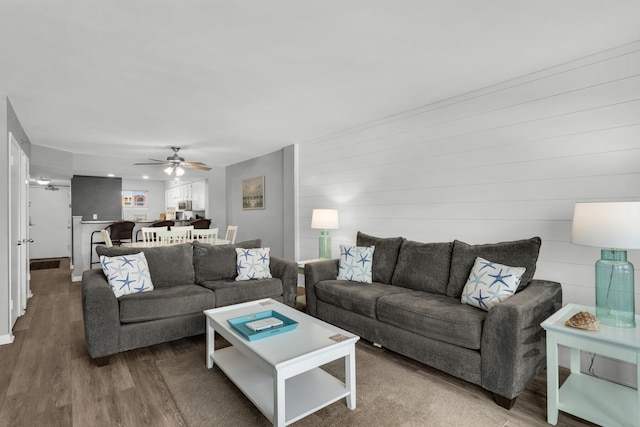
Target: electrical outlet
x: 95, y: 216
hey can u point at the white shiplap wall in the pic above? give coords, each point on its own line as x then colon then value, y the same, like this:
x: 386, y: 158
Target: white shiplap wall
x: 501, y: 163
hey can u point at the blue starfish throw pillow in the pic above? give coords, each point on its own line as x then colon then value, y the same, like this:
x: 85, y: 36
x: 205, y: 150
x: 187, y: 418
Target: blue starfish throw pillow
x: 355, y: 263
x: 253, y: 263
x: 490, y: 283
x: 127, y: 274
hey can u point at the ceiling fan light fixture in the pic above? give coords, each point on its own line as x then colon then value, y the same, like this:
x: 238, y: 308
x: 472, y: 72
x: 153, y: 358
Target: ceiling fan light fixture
x: 179, y: 171
x: 168, y: 170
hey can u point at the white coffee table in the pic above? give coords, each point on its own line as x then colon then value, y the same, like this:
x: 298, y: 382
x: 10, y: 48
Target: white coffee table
x: 280, y: 374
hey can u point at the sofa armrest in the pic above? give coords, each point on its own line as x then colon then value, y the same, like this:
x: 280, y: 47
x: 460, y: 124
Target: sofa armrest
x: 316, y: 272
x: 287, y: 271
x: 101, y: 314
x: 513, y: 347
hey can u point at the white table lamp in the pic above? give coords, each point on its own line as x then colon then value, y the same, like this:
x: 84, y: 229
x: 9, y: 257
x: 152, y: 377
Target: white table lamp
x: 325, y: 219
x: 614, y: 226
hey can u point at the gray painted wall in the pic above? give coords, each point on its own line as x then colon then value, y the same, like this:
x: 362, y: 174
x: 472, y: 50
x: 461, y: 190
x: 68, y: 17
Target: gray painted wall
x: 155, y: 198
x: 269, y: 223
x: 96, y: 195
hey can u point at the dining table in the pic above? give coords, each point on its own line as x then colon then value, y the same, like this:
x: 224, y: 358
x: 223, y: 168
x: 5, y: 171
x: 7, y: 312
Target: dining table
x: 159, y: 243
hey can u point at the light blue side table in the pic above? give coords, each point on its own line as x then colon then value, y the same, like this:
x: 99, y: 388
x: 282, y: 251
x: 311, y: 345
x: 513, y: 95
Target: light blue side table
x: 582, y: 395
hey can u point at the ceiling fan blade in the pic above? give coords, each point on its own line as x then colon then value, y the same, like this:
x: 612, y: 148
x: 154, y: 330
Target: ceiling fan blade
x: 197, y: 166
x: 151, y: 164
x: 197, y: 163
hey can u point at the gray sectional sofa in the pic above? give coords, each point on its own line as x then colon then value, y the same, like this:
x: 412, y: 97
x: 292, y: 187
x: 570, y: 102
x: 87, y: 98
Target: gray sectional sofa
x: 187, y: 279
x: 414, y: 308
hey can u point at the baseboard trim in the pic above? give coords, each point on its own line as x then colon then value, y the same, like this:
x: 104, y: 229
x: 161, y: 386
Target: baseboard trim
x: 6, y: 339
x: 76, y: 278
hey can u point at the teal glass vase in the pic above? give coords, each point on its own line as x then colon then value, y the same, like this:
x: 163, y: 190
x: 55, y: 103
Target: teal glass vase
x: 615, y: 297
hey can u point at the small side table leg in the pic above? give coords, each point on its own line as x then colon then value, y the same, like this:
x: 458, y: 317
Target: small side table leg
x: 350, y: 377
x: 552, y: 378
x: 278, y: 400
x: 211, y: 333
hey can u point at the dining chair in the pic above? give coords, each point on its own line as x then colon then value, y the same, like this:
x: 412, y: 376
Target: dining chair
x: 186, y: 228
x: 231, y: 233
x: 106, y: 238
x: 149, y: 234
x: 173, y: 237
x: 209, y: 235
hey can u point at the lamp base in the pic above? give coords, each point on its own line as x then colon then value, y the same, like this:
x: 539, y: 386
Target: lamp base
x: 615, y: 296
x: 324, y: 245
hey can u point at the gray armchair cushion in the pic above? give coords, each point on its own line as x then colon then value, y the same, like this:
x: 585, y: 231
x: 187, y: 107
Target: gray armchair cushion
x: 216, y: 262
x: 228, y: 291
x: 165, y: 302
x: 385, y: 255
x: 168, y: 265
x: 519, y: 253
x: 423, y: 266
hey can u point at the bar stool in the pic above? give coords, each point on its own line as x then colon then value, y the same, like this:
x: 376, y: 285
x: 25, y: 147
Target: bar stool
x: 118, y: 232
x: 200, y: 223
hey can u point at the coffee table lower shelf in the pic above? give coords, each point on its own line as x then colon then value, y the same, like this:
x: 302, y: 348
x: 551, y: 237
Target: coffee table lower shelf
x: 304, y: 393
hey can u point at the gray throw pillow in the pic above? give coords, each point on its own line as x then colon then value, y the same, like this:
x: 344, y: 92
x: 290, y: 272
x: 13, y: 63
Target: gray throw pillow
x: 168, y: 265
x: 519, y: 253
x: 216, y: 262
x: 385, y: 255
x: 423, y: 266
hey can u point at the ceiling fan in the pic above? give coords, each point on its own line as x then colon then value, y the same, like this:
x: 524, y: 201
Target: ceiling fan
x: 175, y: 164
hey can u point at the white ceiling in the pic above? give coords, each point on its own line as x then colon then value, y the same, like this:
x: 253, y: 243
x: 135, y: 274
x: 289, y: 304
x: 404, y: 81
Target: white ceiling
x: 229, y: 80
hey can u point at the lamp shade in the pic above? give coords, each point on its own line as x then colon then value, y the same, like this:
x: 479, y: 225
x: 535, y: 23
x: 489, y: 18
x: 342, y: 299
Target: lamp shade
x: 607, y: 225
x: 325, y: 219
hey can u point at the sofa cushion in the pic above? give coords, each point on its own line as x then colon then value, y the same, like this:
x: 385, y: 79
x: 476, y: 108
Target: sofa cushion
x: 215, y: 262
x: 168, y: 265
x: 127, y: 274
x: 169, y: 301
x: 490, y: 283
x: 423, y: 266
x: 385, y: 255
x: 520, y: 253
x: 438, y: 317
x: 355, y: 263
x: 228, y: 291
x: 359, y: 298
x: 252, y: 263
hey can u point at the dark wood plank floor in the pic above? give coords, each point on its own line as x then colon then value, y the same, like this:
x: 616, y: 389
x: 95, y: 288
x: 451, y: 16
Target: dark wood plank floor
x: 48, y: 379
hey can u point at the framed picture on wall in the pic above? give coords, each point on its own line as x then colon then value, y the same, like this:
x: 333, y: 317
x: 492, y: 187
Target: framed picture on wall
x: 134, y: 199
x: 253, y: 193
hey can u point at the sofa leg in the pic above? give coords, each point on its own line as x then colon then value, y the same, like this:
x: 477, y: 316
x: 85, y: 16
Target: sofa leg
x: 102, y: 361
x: 504, y: 402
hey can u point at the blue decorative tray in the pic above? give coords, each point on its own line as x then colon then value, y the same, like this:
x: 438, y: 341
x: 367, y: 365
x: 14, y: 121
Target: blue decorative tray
x: 239, y: 325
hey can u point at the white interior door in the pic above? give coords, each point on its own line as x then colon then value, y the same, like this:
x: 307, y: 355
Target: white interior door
x: 25, y: 284
x: 18, y: 265
x: 50, y: 231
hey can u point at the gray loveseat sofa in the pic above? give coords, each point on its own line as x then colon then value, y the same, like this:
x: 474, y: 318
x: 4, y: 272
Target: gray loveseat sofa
x: 414, y: 308
x: 187, y: 279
